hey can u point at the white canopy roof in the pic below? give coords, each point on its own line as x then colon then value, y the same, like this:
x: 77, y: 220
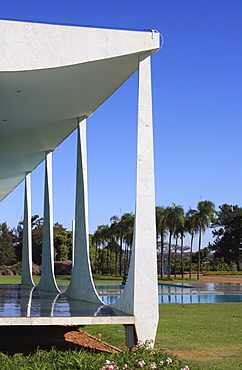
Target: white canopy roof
x: 49, y: 76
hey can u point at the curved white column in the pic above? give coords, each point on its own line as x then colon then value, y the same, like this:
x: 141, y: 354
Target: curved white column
x: 81, y: 285
x: 73, y: 242
x: 26, y: 277
x: 47, y: 280
x: 140, y: 296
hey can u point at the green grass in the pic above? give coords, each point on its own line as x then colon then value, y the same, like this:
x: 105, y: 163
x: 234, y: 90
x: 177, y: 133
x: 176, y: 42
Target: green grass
x: 176, y: 280
x: 65, y: 279
x: 207, y: 331
x: 107, y: 278
x: 61, y: 279
x: 204, y: 335
x: 10, y: 279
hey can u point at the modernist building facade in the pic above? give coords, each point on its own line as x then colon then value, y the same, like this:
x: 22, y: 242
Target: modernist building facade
x: 53, y: 78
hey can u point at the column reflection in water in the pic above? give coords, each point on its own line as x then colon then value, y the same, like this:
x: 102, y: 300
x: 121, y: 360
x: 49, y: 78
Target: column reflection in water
x: 47, y: 302
x: 82, y: 308
x: 26, y: 300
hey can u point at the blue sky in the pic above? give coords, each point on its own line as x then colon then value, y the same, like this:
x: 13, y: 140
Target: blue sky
x: 197, y: 89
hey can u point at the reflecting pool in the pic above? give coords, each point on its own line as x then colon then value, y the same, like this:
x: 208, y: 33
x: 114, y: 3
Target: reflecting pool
x: 181, y: 293
x: 24, y: 301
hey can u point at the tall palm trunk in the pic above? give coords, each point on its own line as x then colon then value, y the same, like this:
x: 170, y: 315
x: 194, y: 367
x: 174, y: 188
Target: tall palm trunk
x: 199, y: 253
x: 169, y: 256
x: 175, y: 256
x: 182, y: 272
x: 116, y: 263
x: 120, y: 256
x: 190, y: 273
x: 110, y: 262
x: 158, y: 258
x: 96, y: 259
x: 102, y: 263
x: 125, y: 258
x: 162, y: 256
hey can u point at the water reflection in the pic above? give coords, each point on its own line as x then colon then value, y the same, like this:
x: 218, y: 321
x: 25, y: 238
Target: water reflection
x: 184, y: 293
x: 186, y: 298
x: 200, y: 298
x: 24, y: 301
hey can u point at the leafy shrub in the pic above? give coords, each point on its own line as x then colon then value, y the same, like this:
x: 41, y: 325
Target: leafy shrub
x: 55, y: 360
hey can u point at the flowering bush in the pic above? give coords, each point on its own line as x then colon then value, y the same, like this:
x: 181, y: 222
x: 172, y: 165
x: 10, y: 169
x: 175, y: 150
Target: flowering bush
x: 127, y: 360
x: 140, y: 363
x: 146, y: 344
x: 146, y: 363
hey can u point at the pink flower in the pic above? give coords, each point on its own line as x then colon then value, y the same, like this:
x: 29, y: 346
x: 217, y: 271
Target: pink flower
x: 168, y: 360
x: 161, y: 363
x: 107, y: 362
x: 185, y: 368
x: 125, y: 366
x: 153, y: 365
x: 141, y: 363
x: 109, y: 367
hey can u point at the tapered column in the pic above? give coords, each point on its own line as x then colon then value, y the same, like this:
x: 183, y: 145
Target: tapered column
x: 73, y: 242
x: 26, y: 277
x: 81, y: 285
x: 47, y: 280
x: 140, y: 296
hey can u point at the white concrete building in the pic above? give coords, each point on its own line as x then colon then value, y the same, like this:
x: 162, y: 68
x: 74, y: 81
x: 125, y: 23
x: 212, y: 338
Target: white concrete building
x: 52, y: 78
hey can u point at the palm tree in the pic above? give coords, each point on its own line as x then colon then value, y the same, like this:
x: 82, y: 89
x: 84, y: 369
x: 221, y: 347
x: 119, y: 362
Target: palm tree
x: 174, y: 218
x: 101, y: 237
x: 127, y: 229
x: 160, y: 232
x: 205, y: 214
x: 180, y: 234
x: 115, y: 242
x: 176, y: 237
x: 191, y: 224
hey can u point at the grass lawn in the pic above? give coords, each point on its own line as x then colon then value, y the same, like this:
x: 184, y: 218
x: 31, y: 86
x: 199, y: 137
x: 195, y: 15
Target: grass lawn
x: 61, y: 279
x: 65, y: 279
x: 205, y: 336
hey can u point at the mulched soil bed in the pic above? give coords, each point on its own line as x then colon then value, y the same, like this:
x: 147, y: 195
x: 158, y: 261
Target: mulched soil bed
x: 27, y: 339
x: 222, y: 279
x: 216, y: 278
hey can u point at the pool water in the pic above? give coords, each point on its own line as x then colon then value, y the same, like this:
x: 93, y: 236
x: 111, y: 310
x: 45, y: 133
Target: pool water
x: 186, y: 298
x: 24, y: 301
x: 181, y: 293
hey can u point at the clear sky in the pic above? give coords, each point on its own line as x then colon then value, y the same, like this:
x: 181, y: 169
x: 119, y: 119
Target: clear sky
x: 197, y: 91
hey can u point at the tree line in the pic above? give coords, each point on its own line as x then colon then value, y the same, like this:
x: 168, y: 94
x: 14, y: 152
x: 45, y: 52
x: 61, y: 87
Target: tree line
x: 111, y: 245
